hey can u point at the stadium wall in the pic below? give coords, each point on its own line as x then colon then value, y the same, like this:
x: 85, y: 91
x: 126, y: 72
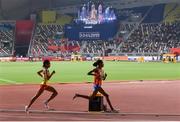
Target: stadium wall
x: 129, y: 58
x: 108, y: 58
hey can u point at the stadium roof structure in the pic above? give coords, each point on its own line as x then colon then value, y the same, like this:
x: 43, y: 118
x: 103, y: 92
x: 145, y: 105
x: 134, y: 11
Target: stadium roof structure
x: 20, y: 9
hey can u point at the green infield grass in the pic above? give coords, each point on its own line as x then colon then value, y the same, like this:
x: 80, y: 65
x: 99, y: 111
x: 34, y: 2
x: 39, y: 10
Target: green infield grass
x: 76, y: 72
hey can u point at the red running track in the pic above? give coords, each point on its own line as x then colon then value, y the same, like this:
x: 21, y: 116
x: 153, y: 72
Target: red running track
x: 136, y: 101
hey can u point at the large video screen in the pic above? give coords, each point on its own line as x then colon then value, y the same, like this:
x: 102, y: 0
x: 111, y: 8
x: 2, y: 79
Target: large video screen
x: 91, y: 32
x: 94, y: 21
x: 91, y: 13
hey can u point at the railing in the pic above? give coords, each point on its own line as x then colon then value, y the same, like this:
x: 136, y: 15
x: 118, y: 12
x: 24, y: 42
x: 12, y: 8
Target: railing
x: 32, y: 40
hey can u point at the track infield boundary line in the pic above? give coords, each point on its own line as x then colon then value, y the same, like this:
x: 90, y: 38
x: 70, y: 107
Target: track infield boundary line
x: 85, y: 112
x: 9, y: 81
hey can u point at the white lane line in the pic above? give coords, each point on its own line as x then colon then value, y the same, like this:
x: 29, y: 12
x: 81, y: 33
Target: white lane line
x: 9, y: 81
x: 88, y: 113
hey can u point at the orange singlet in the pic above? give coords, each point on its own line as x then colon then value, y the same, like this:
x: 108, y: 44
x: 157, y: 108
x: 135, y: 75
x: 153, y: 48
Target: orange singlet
x: 98, y: 77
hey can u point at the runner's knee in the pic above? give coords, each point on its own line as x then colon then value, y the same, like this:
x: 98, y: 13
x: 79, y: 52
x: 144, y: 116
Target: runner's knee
x: 55, y: 93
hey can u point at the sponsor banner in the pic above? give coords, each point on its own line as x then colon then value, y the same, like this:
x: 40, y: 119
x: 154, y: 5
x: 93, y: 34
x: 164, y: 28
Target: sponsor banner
x: 24, y: 30
x: 112, y: 58
x: 89, y: 35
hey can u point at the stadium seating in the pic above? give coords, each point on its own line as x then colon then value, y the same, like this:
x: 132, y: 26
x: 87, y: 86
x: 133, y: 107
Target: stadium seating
x: 43, y: 33
x: 63, y: 19
x: 146, y: 38
x: 155, y: 15
x: 6, y: 39
x: 153, y: 38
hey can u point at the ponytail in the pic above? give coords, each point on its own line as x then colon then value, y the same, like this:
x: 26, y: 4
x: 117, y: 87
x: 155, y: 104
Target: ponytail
x: 95, y: 64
